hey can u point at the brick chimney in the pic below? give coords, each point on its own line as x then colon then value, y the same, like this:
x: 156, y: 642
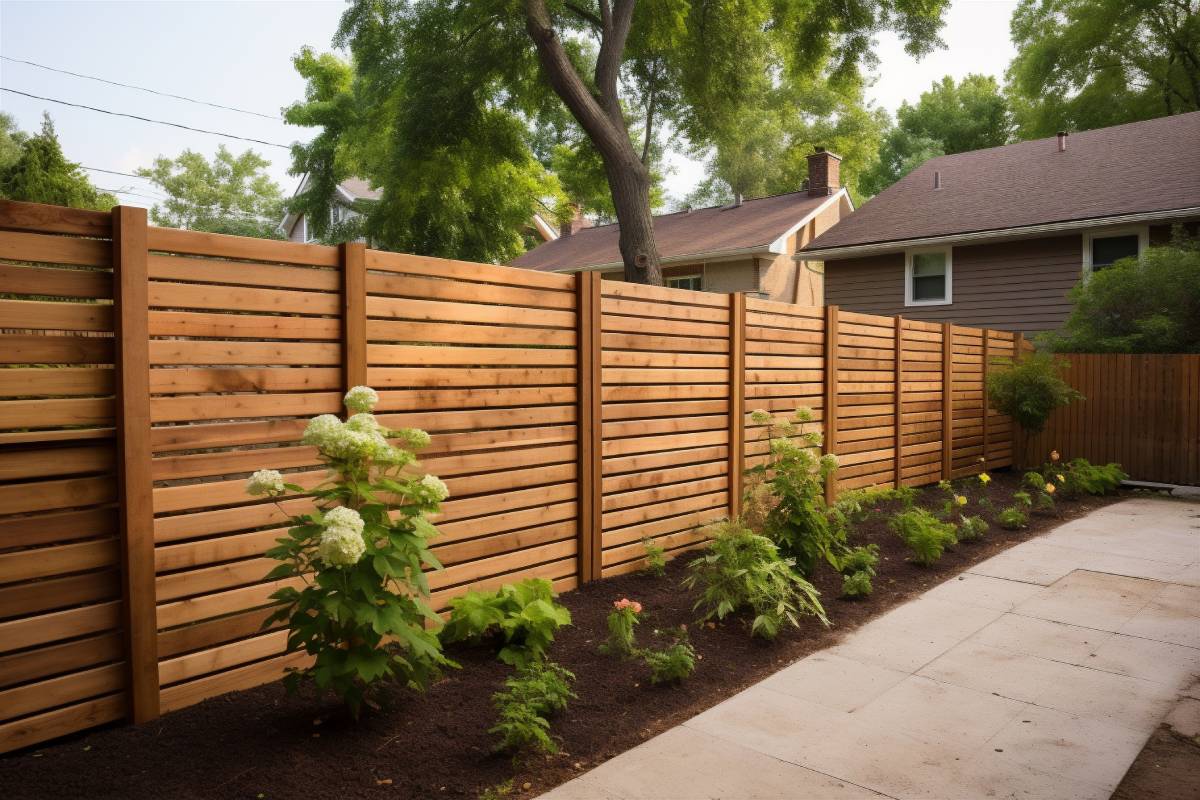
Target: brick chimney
x: 824, y: 170
x: 577, y: 222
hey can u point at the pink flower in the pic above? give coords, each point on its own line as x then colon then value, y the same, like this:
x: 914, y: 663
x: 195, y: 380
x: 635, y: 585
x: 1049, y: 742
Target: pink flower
x: 625, y: 603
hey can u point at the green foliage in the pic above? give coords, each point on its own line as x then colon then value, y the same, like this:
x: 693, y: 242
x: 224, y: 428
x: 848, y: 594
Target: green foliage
x: 857, y: 584
x: 35, y: 170
x: 625, y: 616
x: 524, y: 616
x: 362, y: 609
x: 954, y: 501
x: 1083, y: 477
x: 673, y: 663
x: 497, y: 792
x: 856, y: 506
x: 539, y: 690
x: 971, y: 528
x: 656, y: 558
x: 1012, y: 518
x: 924, y: 534
x: 1083, y: 64
x: 231, y: 194
x: 800, y: 522
x: 949, y: 118
x: 1146, y: 305
x: 741, y: 569
x: 1039, y: 491
x: 1030, y: 390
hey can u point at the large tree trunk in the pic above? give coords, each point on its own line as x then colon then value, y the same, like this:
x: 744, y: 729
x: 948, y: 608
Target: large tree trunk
x: 601, y: 118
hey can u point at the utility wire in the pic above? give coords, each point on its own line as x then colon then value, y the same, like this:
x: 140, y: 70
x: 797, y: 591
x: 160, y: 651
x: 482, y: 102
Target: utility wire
x: 142, y: 89
x: 145, y: 119
x: 114, y: 172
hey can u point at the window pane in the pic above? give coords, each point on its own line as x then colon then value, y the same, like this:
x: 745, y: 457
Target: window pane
x: 929, y: 264
x: 1113, y: 248
x: 930, y: 287
x: 685, y: 282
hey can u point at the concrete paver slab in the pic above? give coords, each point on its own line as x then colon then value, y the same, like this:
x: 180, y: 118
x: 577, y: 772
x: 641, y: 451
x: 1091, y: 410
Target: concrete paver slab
x: 1056, y: 641
x: 1091, y: 600
x: 834, y: 681
x: 984, y: 590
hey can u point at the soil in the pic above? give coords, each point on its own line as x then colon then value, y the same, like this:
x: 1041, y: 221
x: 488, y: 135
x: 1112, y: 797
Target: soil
x: 1168, y: 768
x: 262, y: 743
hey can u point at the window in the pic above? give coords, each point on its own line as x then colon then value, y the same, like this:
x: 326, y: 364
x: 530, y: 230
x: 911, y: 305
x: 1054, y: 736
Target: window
x: 927, y: 277
x: 692, y: 282
x: 1102, y: 248
x: 308, y: 234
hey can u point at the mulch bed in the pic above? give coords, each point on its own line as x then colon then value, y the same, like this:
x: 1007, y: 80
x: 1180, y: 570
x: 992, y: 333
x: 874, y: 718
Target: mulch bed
x: 1168, y: 768
x: 261, y: 743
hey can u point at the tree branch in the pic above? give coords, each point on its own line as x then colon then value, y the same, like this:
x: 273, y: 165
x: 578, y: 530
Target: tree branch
x: 608, y: 62
x: 585, y: 15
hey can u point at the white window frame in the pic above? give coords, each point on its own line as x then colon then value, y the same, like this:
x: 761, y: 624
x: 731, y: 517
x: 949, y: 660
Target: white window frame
x: 908, y: 276
x: 1141, y: 231
x: 699, y: 275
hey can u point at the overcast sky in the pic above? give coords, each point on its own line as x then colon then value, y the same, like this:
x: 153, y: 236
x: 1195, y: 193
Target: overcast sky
x: 238, y: 53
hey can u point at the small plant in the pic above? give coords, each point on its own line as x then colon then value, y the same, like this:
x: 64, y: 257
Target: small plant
x: 954, y: 502
x: 656, y: 558
x: 860, y: 505
x: 539, y: 690
x: 523, y: 615
x: 926, y: 535
x: 971, y: 528
x: 1080, y: 476
x: 1029, y: 391
x: 673, y: 663
x: 622, y: 641
x: 1040, y: 492
x: 744, y: 570
x: 857, y: 584
x: 858, y: 567
x: 1012, y: 518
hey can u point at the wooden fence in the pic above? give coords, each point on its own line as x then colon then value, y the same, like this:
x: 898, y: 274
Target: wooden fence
x: 147, y: 371
x: 1141, y: 411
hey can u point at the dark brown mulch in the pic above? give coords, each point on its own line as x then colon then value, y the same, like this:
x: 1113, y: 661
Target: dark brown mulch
x: 1168, y: 768
x: 261, y: 743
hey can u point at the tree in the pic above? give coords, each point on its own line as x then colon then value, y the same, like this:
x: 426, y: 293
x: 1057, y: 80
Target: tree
x: 11, y: 137
x: 949, y: 118
x: 1085, y: 64
x: 1147, y: 305
x: 40, y: 173
x: 230, y: 194
x: 1029, y: 391
x: 443, y: 67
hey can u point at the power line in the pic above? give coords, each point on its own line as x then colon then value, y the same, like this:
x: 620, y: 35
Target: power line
x: 126, y: 191
x: 145, y: 119
x: 114, y: 172
x: 142, y: 89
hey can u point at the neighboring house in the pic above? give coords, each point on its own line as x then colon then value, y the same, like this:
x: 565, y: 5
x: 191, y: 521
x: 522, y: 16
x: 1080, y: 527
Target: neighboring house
x: 995, y: 238
x: 295, y: 225
x: 748, y: 246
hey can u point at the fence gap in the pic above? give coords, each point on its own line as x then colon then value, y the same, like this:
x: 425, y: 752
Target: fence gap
x: 353, y: 257
x: 830, y: 412
x: 737, y: 400
x: 131, y: 299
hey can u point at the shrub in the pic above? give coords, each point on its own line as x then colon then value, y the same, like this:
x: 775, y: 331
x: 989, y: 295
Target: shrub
x: 861, y: 559
x: 523, y: 615
x: 859, y: 505
x: 1030, y: 390
x: 656, y: 558
x: 924, y: 534
x: 800, y: 522
x: 744, y: 570
x: 362, y: 611
x: 954, y: 501
x: 971, y: 528
x: 621, y: 621
x: 1083, y: 477
x: 673, y: 663
x: 1012, y: 518
x: 857, y: 584
x: 539, y: 690
x: 1039, y: 494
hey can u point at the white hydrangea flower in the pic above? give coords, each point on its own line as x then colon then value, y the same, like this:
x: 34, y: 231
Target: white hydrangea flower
x: 437, y: 486
x: 415, y: 438
x: 804, y: 414
x: 361, y: 399
x: 320, y: 429
x: 341, y: 547
x: 364, y: 423
x: 829, y: 461
x: 267, y: 482
x: 784, y: 447
x: 342, y: 517
x: 760, y: 416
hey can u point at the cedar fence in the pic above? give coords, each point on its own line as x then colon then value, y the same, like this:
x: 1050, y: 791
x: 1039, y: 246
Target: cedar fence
x: 1141, y: 411
x: 147, y: 371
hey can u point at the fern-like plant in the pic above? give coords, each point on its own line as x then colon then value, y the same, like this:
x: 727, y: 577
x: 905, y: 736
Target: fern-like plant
x: 924, y: 534
x: 673, y: 663
x: 536, y: 692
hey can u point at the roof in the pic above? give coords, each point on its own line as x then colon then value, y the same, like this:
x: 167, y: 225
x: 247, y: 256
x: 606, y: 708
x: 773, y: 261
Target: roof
x: 358, y: 189
x: 755, y: 224
x: 1142, y: 167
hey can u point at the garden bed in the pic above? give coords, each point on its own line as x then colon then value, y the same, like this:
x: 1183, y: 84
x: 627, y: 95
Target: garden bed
x: 262, y: 743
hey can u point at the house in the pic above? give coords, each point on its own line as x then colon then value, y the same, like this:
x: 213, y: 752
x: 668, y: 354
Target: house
x: 748, y: 246
x: 995, y: 238
x: 295, y: 224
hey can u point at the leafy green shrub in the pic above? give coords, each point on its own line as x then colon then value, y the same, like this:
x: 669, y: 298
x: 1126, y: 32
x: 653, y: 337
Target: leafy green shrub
x: 954, y: 501
x: 741, y: 569
x: 656, y: 558
x: 363, y: 609
x: 800, y: 522
x: 857, y: 584
x: 971, y: 528
x: 1039, y: 493
x: 523, y: 615
x: 621, y: 621
x: 926, y: 535
x: 539, y: 690
x: 1030, y: 390
x: 1012, y: 518
x: 861, y: 559
x: 860, y: 505
x: 673, y: 663
x: 1083, y: 477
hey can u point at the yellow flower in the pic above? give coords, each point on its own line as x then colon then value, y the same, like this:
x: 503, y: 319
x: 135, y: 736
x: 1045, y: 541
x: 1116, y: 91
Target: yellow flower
x: 1061, y: 479
x: 1054, y: 456
x: 958, y: 498
x: 984, y: 478
x: 1049, y: 488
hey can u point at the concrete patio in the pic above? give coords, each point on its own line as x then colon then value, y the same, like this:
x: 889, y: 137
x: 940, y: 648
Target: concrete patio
x: 1039, y: 673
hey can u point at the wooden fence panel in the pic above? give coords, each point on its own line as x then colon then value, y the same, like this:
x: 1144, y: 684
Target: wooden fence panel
x: 865, y: 436
x: 1141, y: 411
x: 62, y: 664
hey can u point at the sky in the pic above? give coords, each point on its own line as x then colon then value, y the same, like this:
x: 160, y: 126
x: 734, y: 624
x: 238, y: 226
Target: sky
x: 238, y: 53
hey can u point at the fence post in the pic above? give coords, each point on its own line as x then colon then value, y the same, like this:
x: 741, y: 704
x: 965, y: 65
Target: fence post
x: 737, y: 400
x: 947, y: 397
x: 1019, y: 449
x: 987, y: 336
x: 588, y: 345
x: 831, y: 386
x: 131, y: 299
x: 354, y: 314
x: 898, y: 401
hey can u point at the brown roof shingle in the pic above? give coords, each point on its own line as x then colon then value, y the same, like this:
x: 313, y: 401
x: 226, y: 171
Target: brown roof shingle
x: 755, y: 223
x: 1126, y: 169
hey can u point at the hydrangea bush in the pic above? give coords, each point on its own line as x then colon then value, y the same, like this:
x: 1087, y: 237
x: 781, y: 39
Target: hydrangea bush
x: 361, y: 554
